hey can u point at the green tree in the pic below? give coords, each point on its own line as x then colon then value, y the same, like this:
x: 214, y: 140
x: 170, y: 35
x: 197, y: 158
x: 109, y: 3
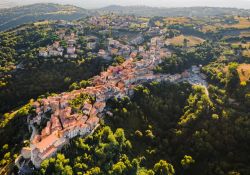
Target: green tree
x: 118, y: 169
x: 163, y: 168
x: 187, y: 161
x: 232, y: 79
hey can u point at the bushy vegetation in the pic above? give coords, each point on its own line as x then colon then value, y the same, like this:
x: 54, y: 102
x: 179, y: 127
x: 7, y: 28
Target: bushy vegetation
x: 159, y: 129
x: 78, y: 102
x: 183, y: 59
x: 12, y: 141
x: 104, y: 152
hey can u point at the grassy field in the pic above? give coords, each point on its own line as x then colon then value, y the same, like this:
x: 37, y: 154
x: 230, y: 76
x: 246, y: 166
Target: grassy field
x: 41, y: 23
x: 209, y: 28
x: 245, y: 34
x: 243, y: 23
x: 246, y: 53
x: 244, y: 72
x: 179, y: 40
x: 243, y: 45
x: 177, y: 20
x: 144, y: 19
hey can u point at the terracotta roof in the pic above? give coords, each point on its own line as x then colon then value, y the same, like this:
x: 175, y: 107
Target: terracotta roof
x: 44, y: 143
x: 46, y: 130
x: 69, y: 123
x: 36, y: 139
x: 55, y: 122
x: 99, y: 105
x: 93, y: 112
x: 48, y: 153
x: 92, y: 120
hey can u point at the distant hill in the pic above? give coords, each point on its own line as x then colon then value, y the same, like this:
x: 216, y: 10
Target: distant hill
x: 180, y: 11
x: 15, y: 16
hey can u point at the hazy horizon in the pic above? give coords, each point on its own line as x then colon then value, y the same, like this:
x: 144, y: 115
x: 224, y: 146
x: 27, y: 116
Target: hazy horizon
x: 154, y: 3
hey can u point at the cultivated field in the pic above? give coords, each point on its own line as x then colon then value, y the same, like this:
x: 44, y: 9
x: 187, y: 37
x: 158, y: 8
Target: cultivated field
x: 246, y: 53
x: 243, y: 23
x: 244, y: 72
x: 41, y: 23
x: 177, y: 20
x: 243, y: 45
x: 245, y: 34
x: 179, y: 40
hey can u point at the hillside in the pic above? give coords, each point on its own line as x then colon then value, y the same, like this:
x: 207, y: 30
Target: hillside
x: 188, y: 11
x: 13, y: 17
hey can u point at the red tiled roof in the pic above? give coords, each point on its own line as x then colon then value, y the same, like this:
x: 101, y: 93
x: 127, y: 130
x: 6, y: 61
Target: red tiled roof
x: 36, y: 139
x: 92, y: 120
x: 50, y: 140
x: 48, y: 152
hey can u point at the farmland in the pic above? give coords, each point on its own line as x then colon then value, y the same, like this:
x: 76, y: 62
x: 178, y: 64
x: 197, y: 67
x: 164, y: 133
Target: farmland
x: 191, y: 40
x: 244, y: 72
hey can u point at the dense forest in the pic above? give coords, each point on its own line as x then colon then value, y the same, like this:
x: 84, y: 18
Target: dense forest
x: 200, y: 130
x: 184, y: 59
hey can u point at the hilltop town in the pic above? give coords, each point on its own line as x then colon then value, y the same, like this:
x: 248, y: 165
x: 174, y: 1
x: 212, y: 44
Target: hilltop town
x: 125, y: 94
x: 116, y: 82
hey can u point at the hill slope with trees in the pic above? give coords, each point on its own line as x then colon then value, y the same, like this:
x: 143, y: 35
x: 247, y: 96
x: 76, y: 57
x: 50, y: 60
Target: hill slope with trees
x: 16, y: 16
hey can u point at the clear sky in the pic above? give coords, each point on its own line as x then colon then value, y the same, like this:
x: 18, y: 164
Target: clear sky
x: 155, y: 3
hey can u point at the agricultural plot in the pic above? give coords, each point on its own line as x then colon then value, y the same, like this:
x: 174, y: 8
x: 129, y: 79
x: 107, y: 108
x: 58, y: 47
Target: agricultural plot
x: 180, y: 40
x: 244, y: 72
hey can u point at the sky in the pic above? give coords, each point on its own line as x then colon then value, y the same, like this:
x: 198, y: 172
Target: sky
x: 90, y: 4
